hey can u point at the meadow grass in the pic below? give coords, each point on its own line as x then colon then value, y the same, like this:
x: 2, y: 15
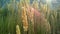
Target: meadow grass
x: 15, y: 18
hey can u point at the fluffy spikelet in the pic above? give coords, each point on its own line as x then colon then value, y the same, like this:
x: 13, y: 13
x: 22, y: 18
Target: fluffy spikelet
x: 17, y: 29
x: 24, y: 17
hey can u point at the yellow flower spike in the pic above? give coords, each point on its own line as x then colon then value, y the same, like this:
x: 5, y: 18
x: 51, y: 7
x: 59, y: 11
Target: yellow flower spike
x: 17, y: 29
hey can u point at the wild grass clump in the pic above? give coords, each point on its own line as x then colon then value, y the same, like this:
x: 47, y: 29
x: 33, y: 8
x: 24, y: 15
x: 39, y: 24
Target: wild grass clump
x: 18, y: 17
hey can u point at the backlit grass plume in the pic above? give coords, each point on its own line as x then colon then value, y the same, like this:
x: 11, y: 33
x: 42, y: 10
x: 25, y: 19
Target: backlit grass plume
x: 18, y: 29
x: 24, y: 19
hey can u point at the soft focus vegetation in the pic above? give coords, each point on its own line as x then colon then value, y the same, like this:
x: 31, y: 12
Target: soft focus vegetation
x: 17, y: 17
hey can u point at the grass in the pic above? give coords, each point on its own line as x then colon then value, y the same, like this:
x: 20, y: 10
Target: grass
x: 11, y: 16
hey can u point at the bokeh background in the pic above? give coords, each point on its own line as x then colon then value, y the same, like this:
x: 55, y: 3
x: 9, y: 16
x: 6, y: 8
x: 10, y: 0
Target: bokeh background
x: 14, y: 18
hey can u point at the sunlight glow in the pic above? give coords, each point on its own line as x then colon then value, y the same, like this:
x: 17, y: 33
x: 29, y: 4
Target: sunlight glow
x: 48, y: 1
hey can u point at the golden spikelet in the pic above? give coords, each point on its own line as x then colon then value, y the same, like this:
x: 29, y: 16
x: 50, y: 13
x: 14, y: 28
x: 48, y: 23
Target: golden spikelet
x: 30, y: 13
x: 24, y: 17
x: 17, y: 29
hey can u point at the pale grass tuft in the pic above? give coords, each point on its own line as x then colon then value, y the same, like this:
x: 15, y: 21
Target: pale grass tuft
x: 17, y: 29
